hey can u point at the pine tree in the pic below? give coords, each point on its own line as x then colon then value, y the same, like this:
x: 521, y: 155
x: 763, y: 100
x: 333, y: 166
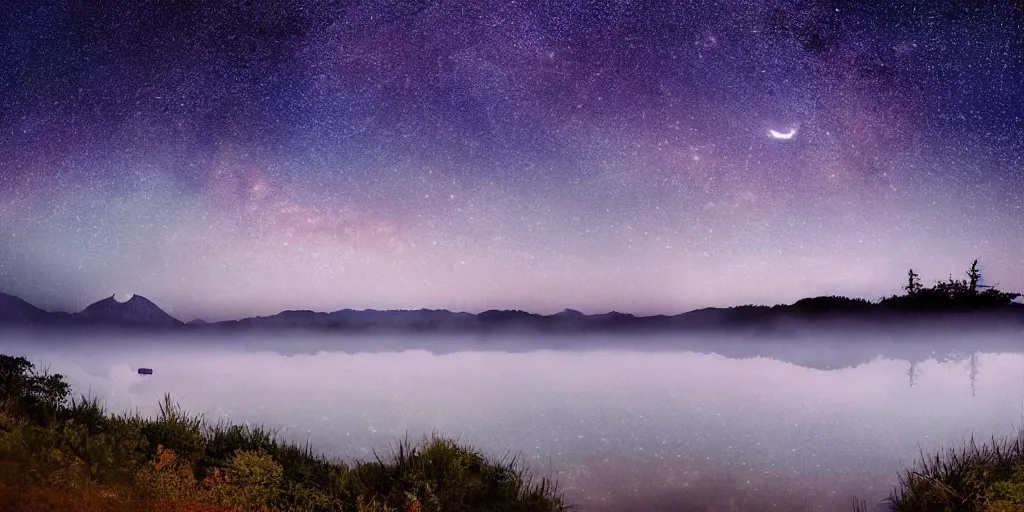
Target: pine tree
x: 974, y: 276
x: 913, y: 282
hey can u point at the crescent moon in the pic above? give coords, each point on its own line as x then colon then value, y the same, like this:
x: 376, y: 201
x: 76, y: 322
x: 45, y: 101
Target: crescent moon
x: 782, y: 135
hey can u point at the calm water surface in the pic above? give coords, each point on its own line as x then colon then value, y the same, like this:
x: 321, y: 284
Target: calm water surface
x: 662, y: 429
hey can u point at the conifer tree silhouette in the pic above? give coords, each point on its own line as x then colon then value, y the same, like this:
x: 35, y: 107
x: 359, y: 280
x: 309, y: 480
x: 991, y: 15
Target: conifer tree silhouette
x: 973, y: 275
x: 913, y: 282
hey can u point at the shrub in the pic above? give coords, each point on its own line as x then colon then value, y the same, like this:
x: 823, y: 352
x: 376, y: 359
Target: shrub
x: 168, y: 477
x: 443, y: 475
x: 37, y: 395
x: 174, y: 429
x: 989, y: 477
x: 252, y: 481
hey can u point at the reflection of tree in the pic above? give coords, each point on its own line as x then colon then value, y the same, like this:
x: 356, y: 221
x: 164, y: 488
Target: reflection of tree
x: 1020, y: 425
x: 912, y: 373
x: 974, y: 373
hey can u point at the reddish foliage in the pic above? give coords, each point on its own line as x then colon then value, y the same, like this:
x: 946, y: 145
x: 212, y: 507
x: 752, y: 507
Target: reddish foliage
x: 186, y: 507
x: 45, y: 499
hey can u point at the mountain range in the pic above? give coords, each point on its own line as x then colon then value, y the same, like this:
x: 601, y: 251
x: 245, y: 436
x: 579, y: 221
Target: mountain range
x: 141, y: 313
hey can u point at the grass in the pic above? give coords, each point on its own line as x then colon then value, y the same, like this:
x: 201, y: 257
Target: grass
x: 970, y: 477
x: 58, y: 454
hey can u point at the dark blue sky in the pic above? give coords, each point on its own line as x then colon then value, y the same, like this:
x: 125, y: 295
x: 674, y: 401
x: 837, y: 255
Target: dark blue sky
x: 237, y: 158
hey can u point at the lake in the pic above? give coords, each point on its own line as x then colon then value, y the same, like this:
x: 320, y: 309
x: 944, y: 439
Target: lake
x: 668, y: 423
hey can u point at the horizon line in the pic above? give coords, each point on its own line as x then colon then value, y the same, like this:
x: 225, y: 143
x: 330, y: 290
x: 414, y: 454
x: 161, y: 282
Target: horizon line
x: 564, y: 310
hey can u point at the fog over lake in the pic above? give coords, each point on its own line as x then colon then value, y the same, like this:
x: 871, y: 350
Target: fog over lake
x: 655, y: 424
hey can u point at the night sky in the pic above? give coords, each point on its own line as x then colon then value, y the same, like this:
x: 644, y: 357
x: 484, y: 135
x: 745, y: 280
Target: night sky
x: 229, y: 159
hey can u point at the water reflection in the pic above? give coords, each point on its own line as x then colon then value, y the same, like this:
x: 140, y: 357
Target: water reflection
x: 651, y: 429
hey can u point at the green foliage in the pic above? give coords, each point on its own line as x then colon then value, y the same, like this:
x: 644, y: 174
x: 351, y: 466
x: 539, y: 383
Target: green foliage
x: 252, y: 480
x: 301, y: 464
x: 1009, y: 491
x: 35, y: 394
x: 174, y: 429
x: 989, y: 477
x: 309, y: 477
x: 87, y: 412
x: 28, y: 455
x: 177, y: 458
x: 223, y: 440
x: 443, y: 475
x: 168, y: 477
x: 374, y: 506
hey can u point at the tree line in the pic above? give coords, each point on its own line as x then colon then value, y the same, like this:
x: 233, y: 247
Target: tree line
x: 950, y: 294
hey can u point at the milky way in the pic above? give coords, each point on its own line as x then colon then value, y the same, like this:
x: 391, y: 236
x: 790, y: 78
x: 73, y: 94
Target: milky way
x: 227, y: 159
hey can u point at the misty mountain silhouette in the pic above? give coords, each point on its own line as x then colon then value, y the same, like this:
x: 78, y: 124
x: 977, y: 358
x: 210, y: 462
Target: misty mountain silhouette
x: 140, y: 312
x: 137, y: 311
x: 570, y: 313
x: 14, y: 310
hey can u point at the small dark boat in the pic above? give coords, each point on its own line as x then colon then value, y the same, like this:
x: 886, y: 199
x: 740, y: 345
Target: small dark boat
x: 145, y: 371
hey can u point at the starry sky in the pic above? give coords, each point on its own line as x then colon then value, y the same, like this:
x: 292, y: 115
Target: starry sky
x: 235, y: 158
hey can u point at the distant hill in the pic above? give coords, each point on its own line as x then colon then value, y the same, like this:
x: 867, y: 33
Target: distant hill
x: 137, y: 311
x: 14, y: 310
x: 351, y: 319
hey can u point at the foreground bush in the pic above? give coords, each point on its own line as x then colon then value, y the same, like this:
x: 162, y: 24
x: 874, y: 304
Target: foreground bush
x: 969, y: 478
x: 60, y: 455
